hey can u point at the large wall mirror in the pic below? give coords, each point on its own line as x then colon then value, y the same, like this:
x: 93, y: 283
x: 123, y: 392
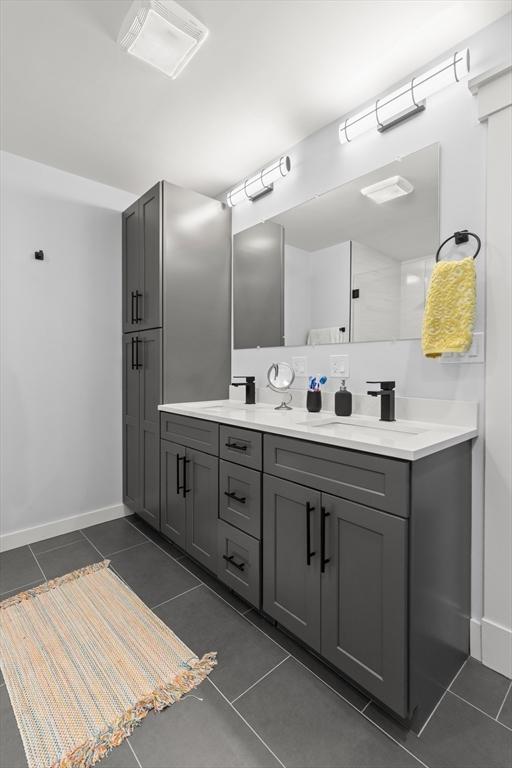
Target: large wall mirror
x: 350, y: 265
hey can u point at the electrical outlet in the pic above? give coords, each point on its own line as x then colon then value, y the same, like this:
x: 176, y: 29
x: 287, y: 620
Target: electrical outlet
x: 475, y: 354
x: 299, y: 365
x: 339, y: 365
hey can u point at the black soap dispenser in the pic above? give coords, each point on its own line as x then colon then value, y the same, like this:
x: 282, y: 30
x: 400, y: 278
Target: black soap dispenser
x: 343, y: 401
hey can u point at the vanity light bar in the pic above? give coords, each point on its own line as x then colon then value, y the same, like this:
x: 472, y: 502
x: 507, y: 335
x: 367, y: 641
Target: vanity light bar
x: 261, y: 183
x: 407, y: 100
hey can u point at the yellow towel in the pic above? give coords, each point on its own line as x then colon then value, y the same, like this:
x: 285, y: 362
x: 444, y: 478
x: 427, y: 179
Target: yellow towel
x: 450, y: 308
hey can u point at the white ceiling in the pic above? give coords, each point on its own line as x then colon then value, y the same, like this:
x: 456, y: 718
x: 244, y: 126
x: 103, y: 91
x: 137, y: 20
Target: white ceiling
x: 404, y: 228
x: 270, y: 73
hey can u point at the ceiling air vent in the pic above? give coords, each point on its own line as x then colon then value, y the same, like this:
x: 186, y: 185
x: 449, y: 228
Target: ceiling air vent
x: 162, y: 33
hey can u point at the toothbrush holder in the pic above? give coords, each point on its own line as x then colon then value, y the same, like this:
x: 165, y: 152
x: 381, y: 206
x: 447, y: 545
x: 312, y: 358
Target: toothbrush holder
x: 314, y: 401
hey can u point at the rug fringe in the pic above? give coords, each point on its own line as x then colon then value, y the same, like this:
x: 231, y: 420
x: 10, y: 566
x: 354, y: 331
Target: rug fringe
x: 48, y: 585
x: 92, y: 750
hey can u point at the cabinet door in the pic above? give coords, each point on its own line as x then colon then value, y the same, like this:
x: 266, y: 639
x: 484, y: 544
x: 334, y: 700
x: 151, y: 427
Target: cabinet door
x: 364, y: 598
x: 131, y: 265
x: 131, y: 426
x: 201, y: 478
x: 173, y: 519
x: 149, y: 303
x: 149, y: 358
x: 291, y: 578
x: 258, y: 286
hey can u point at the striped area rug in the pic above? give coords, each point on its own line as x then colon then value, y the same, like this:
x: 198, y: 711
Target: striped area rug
x: 84, y: 661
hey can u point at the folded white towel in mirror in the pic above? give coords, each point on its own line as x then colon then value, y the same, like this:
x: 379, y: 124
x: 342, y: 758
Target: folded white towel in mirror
x: 325, y: 335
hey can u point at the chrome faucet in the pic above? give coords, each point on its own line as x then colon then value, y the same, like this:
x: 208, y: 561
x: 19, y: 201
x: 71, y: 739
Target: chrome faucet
x: 387, y: 399
x: 250, y: 388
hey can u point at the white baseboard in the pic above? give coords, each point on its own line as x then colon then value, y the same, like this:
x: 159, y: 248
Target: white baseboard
x: 475, y: 639
x: 497, y: 647
x: 65, y: 525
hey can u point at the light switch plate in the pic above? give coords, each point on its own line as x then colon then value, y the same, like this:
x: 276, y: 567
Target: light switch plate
x: 300, y: 366
x: 475, y: 354
x: 339, y: 365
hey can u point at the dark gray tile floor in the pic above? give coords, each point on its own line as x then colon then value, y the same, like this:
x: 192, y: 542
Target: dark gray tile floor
x: 268, y: 702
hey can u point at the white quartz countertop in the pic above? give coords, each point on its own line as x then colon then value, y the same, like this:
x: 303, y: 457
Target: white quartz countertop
x: 401, y: 439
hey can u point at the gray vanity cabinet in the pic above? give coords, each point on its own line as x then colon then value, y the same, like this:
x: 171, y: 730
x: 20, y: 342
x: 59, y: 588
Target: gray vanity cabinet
x: 364, y: 598
x: 131, y: 426
x: 131, y: 265
x: 173, y: 513
x: 189, y: 500
x: 291, y: 575
x: 177, y: 252
x: 201, y: 478
x: 142, y: 263
x: 142, y: 387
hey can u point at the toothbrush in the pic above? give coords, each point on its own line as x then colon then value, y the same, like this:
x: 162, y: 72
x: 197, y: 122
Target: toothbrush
x: 315, y: 385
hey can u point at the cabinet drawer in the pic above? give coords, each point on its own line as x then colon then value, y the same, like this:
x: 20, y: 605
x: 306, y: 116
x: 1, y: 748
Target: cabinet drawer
x: 240, y: 497
x: 194, y: 433
x: 242, y: 446
x: 239, y: 562
x: 375, y: 481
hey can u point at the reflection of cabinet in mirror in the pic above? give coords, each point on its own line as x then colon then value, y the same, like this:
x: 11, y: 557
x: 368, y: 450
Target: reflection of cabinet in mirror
x: 343, y: 266
x: 258, y: 256
x: 288, y: 296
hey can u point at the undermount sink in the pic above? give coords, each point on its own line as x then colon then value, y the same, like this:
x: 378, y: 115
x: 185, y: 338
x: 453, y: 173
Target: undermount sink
x: 336, y: 426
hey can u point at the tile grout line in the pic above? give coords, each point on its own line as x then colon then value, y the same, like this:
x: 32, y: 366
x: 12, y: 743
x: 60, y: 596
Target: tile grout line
x: 93, y: 545
x: 244, y: 616
x: 104, y: 558
x: 134, y: 753
x: 260, y: 679
x: 301, y: 663
x: 38, y: 563
x: 429, y: 718
x: 60, y: 546
x: 247, y: 723
x: 118, y: 551
x: 191, y: 589
x: 339, y: 695
x: 458, y: 673
x: 415, y: 757
x: 176, y: 560
x: 20, y: 588
x: 504, y: 700
x: 481, y: 710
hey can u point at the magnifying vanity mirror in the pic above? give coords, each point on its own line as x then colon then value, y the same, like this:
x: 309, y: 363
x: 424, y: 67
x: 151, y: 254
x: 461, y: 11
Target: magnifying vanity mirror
x: 349, y: 265
x: 280, y: 377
